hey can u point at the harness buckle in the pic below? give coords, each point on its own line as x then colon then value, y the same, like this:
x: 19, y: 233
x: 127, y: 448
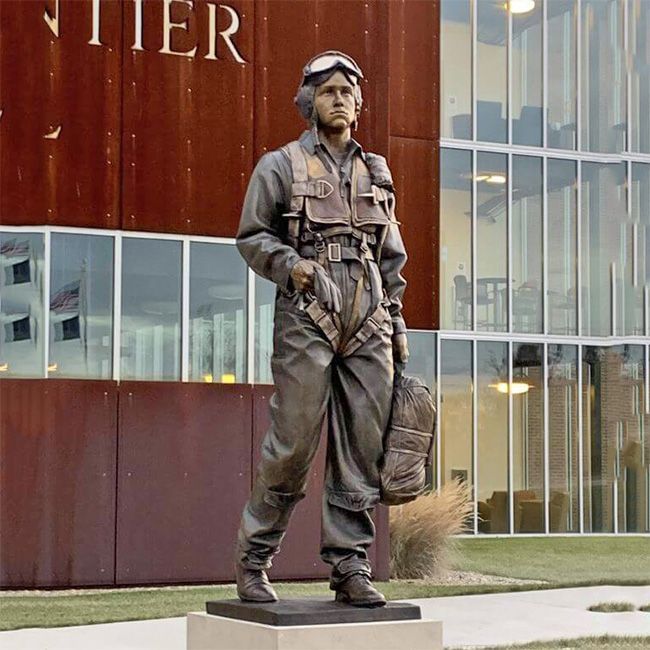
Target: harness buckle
x: 334, y: 252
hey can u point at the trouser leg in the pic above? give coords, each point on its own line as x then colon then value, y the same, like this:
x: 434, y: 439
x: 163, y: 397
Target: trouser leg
x: 362, y: 386
x: 301, y: 372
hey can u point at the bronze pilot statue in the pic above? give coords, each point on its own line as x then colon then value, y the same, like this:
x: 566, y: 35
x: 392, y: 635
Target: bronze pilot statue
x: 318, y: 221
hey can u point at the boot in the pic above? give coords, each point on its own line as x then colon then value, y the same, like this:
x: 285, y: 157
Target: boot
x: 253, y: 585
x: 359, y: 591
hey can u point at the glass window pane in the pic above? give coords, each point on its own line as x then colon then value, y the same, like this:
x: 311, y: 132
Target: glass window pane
x: 81, y: 306
x: 456, y: 239
x: 614, y: 466
x: 264, y: 312
x: 563, y: 449
x: 640, y: 205
x: 527, y: 239
x: 562, y: 62
x: 528, y: 437
x: 456, y: 412
x: 456, y: 69
x: 217, y: 314
x: 527, y: 76
x: 21, y: 305
x: 602, y: 235
x: 492, y: 472
x: 491, y: 239
x: 603, y: 76
x: 639, y: 22
x: 151, y: 309
x: 492, y: 72
x: 561, y: 247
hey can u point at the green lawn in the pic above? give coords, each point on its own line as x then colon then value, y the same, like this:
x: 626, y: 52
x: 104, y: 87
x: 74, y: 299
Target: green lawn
x: 561, y: 561
x: 595, y: 643
x: 592, y: 560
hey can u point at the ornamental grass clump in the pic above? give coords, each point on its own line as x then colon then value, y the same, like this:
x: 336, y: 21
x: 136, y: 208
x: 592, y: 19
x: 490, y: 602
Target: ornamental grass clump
x: 612, y: 608
x: 421, y: 532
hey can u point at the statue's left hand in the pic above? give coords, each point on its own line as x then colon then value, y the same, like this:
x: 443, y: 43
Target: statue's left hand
x: 400, y: 347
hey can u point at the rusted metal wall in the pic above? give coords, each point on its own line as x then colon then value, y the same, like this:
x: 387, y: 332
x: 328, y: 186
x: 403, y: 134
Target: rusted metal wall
x: 184, y: 474
x: 57, y: 482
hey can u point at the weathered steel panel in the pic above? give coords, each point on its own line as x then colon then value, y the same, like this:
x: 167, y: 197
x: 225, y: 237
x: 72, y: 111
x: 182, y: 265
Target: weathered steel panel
x: 60, y: 122
x: 415, y: 166
x: 57, y: 482
x: 414, y: 68
x: 188, y: 121
x: 183, y: 477
x: 288, y: 33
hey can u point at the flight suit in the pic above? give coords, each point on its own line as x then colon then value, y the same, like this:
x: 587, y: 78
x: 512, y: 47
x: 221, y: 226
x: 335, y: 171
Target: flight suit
x: 320, y: 368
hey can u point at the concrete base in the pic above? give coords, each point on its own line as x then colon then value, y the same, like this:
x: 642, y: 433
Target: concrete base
x: 209, y: 632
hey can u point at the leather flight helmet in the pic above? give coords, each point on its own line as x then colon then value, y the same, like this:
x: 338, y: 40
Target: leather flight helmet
x: 318, y: 70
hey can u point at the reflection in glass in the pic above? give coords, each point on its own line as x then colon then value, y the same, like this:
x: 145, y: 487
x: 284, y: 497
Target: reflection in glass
x: 456, y: 239
x: 491, y: 238
x: 456, y: 412
x: 603, y: 225
x: 561, y: 247
x: 21, y: 305
x: 527, y: 58
x: 527, y: 247
x: 492, y: 472
x: 81, y: 306
x: 151, y: 309
x: 422, y: 362
x: 492, y: 71
x: 456, y: 69
x: 562, y: 63
x: 264, y: 310
x: 217, y: 314
x: 639, y: 38
x: 640, y: 275
x: 615, y: 469
x: 528, y: 437
x: 563, y: 449
x: 603, y: 76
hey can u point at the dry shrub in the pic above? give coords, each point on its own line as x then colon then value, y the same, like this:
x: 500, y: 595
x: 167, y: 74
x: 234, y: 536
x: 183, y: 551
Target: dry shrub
x: 421, y: 532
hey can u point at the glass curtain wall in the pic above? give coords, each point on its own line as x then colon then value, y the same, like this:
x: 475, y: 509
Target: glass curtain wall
x: 492, y: 242
x: 493, y: 388
x: 22, y: 276
x: 456, y: 69
x: 527, y: 72
x: 528, y: 480
x: 81, y: 306
x: 561, y: 38
x: 563, y: 439
x: 456, y: 413
x: 217, y: 328
x: 639, y: 40
x: 456, y: 239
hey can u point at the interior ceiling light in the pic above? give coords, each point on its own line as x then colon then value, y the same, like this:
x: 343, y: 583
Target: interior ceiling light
x: 520, y: 6
x: 482, y: 177
x: 516, y: 388
x: 497, y: 179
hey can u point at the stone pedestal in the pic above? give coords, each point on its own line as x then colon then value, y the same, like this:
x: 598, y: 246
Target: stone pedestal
x: 312, y: 624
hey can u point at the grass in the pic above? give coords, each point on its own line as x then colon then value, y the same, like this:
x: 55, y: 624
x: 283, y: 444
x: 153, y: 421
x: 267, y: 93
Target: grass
x: 645, y: 608
x: 576, y: 560
x: 591, y: 643
x: 560, y: 561
x: 612, y: 608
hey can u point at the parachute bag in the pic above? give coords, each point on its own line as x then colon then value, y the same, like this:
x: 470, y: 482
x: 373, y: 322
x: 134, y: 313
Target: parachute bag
x: 407, y: 442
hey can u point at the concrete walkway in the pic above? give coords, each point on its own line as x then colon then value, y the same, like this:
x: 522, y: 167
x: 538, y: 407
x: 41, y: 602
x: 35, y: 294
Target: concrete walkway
x: 468, y: 621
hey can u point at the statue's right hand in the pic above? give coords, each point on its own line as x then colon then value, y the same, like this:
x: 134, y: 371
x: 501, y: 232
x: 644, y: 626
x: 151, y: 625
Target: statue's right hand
x: 302, y: 275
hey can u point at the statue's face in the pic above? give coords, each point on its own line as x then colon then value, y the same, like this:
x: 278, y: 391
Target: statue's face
x: 334, y: 102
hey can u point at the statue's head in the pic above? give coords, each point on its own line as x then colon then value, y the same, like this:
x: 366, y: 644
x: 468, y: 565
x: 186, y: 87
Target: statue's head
x: 329, y: 72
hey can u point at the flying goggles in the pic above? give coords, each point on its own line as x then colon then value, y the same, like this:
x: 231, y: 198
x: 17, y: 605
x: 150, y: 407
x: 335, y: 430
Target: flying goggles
x: 331, y: 60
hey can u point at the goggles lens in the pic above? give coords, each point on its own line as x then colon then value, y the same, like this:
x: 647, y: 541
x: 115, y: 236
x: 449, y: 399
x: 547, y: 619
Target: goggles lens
x: 329, y: 61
